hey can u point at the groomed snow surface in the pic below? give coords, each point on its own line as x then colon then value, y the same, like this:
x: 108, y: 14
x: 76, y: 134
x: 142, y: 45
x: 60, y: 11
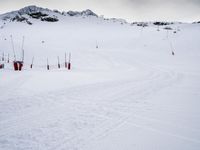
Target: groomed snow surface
x: 130, y: 93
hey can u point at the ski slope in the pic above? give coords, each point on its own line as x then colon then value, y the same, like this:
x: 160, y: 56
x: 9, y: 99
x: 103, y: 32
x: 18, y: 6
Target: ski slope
x: 129, y: 93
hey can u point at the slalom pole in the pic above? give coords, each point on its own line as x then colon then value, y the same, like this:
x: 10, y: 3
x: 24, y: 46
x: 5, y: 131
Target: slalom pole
x: 22, y: 49
x: 65, y: 60
x: 32, y: 62
x: 171, y: 45
x: 3, y: 56
x: 13, y: 47
x: 158, y: 28
x: 22, y: 55
x: 167, y: 34
x: 69, y: 64
x: 141, y: 30
x: 58, y: 63
x: 97, y: 45
x: 172, y: 48
x: 8, y: 59
x: 47, y: 64
x: 1, y: 65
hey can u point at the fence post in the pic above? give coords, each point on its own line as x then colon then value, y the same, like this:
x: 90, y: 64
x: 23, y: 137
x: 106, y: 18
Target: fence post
x: 69, y: 64
x: 15, y: 65
x: 48, y: 64
x: 58, y: 63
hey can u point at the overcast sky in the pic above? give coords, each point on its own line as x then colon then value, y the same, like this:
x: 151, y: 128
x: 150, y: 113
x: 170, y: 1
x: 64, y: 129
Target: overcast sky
x: 131, y: 10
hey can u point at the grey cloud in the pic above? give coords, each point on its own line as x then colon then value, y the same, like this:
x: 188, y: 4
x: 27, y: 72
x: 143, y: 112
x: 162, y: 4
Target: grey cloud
x: 145, y: 2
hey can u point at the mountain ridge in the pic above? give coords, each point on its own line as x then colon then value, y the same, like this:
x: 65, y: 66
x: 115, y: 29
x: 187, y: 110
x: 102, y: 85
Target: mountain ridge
x: 28, y: 13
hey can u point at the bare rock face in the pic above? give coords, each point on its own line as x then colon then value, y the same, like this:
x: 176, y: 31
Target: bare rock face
x: 168, y: 28
x: 162, y: 23
x: 85, y: 13
x: 19, y: 18
x: 142, y: 24
x: 198, y: 22
x: 37, y: 15
x: 49, y: 19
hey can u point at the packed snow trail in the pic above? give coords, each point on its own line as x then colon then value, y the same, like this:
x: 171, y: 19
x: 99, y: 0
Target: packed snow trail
x: 73, y: 117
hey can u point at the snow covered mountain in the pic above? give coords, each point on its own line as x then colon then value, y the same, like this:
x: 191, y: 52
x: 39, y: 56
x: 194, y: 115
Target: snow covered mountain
x: 28, y: 13
x: 131, y: 85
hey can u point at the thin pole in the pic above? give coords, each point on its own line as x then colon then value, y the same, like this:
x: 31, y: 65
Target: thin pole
x: 3, y: 56
x: 58, y: 62
x: 65, y: 60
x: 22, y: 43
x: 22, y: 55
x: 32, y: 59
x: 47, y: 64
x: 97, y: 45
x: 69, y: 64
x: 158, y: 28
x: 171, y: 46
x: 167, y: 33
x: 32, y: 62
x: 13, y: 47
x: 22, y: 48
x: 8, y: 59
x: 69, y: 57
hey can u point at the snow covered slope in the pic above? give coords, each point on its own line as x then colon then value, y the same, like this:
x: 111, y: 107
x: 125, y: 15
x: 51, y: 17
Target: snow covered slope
x: 129, y: 93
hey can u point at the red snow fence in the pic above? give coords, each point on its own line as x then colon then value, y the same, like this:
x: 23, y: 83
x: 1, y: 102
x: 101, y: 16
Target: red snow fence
x: 1, y: 66
x: 69, y: 66
x: 15, y: 65
x: 18, y: 65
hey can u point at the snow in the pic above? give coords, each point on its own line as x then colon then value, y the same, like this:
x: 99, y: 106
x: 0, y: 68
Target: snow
x: 129, y: 93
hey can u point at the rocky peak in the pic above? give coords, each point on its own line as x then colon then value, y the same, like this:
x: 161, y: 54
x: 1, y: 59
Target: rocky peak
x: 86, y: 12
x: 32, y: 9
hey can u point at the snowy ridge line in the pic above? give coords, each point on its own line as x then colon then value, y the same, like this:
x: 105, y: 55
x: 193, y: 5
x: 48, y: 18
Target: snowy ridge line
x: 29, y: 13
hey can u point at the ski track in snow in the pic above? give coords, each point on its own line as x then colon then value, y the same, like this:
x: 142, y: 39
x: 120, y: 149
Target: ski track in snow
x: 79, y: 121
